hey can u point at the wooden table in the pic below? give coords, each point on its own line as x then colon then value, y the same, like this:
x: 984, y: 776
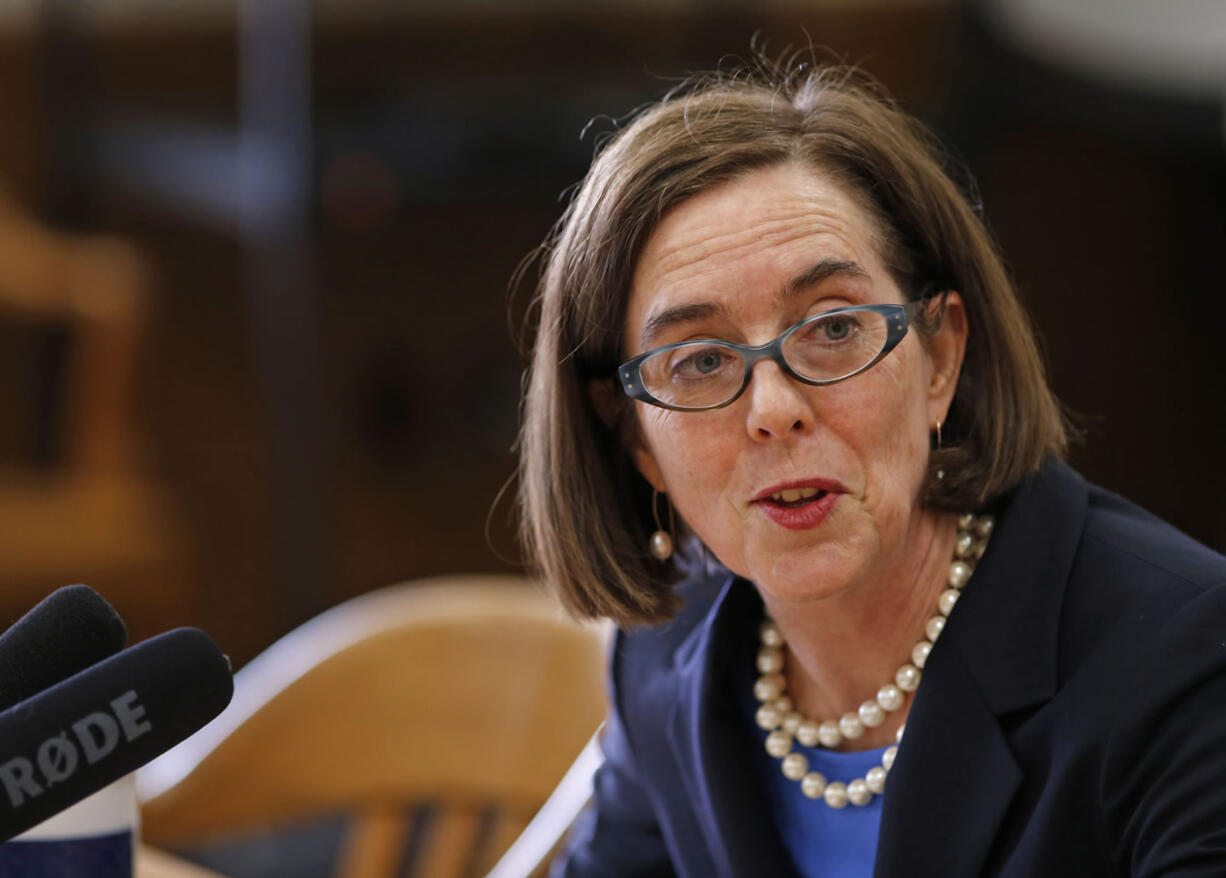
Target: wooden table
x: 151, y: 863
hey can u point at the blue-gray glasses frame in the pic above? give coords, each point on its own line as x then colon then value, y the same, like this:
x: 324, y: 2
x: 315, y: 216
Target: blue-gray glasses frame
x: 897, y: 317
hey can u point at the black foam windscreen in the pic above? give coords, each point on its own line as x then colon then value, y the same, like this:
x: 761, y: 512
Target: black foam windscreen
x: 88, y: 731
x: 66, y: 632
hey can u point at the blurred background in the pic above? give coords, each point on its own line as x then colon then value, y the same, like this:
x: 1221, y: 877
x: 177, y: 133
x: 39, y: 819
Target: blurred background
x: 257, y: 349
x: 256, y: 346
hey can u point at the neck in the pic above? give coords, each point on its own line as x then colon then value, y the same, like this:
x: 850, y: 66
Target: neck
x: 841, y: 649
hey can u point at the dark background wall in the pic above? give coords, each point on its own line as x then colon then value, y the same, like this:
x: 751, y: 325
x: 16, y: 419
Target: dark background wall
x: 331, y: 398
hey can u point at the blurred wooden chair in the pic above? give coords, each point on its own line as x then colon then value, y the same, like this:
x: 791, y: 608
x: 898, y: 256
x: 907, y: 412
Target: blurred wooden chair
x: 89, y: 512
x: 531, y: 853
x: 458, y: 701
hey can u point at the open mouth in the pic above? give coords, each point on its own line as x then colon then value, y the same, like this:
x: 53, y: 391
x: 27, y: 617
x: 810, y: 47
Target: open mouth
x: 794, y: 498
x: 802, y: 504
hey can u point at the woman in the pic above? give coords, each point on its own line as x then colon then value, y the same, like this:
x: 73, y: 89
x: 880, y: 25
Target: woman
x: 775, y: 334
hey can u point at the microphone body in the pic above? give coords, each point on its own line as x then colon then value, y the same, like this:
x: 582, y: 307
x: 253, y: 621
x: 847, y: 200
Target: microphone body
x: 66, y: 632
x: 93, y: 728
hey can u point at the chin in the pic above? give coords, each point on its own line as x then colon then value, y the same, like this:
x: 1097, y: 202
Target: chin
x: 811, y: 574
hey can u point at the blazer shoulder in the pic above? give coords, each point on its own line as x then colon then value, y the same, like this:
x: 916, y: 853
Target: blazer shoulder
x: 1125, y: 537
x: 1133, y: 576
x: 652, y: 649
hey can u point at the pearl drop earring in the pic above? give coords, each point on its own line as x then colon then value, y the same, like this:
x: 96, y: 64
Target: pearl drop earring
x: 661, y: 543
x: 940, y: 472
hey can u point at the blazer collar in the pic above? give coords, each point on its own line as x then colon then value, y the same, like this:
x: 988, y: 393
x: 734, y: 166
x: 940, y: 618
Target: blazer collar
x: 955, y: 775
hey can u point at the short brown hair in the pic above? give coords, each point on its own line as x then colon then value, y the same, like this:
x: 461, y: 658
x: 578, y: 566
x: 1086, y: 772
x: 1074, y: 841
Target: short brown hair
x: 586, y: 511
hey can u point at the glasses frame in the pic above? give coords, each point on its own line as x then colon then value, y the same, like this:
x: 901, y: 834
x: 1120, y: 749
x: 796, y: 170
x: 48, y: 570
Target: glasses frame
x: 898, y: 319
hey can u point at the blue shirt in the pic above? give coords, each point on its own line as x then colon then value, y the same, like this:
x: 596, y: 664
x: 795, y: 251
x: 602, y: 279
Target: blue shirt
x: 823, y: 842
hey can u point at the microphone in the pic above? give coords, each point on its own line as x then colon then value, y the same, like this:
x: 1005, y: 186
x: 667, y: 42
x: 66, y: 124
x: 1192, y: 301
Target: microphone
x: 69, y: 630
x: 93, y: 728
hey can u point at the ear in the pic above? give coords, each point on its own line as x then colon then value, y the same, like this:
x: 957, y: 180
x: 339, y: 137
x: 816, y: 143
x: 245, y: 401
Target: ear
x: 616, y: 412
x: 946, y: 348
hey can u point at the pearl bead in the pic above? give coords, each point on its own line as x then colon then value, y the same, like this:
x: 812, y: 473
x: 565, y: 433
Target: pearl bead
x: 980, y: 548
x: 661, y: 546
x: 778, y: 743
x: 829, y: 735
x: 836, y: 795
x: 965, y: 545
x: 959, y: 573
x: 919, y: 653
x: 890, y: 697
x: 783, y: 704
x: 767, y: 717
x: 875, y: 779
x: 813, y: 784
x: 934, y: 627
x: 898, y: 734
x: 945, y: 603
x: 964, y: 521
x: 887, y: 758
x: 984, y: 525
x: 770, y: 635
x: 768, y: 687
x: 791, y: 722
x: 770, y: 660
x: 858, y: 792
x: 850, y: 725
x: 871, y: 714
x: 907, y: 677
x: 795, y: 766
x: 807, y: 733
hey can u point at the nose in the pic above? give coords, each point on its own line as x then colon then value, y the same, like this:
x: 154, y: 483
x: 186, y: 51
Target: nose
x: 778, y: 405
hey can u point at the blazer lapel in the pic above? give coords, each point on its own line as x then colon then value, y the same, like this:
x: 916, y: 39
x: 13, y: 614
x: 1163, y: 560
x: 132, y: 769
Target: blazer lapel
x: 710, y: 742
x: 955, y: 774
x: 951, y: 784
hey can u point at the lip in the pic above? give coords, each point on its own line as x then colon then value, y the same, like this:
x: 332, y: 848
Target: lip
x: 803, y: 517
x: 830, y: 486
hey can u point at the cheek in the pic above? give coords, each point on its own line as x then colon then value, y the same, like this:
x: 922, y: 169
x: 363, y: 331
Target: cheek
x: 882, y: 422
x: 903, y: 437
x: 695, y: 455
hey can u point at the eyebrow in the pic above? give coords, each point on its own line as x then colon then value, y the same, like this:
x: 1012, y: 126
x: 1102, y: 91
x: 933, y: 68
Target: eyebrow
x: 678, y: 314
x: 807, y: 279
x: 818, y: 272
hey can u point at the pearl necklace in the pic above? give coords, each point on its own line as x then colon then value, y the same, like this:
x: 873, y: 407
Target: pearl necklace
x: 777, y: 716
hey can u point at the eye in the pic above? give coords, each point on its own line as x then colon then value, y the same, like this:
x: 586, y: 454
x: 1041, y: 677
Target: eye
x: 832, y: 329
x: 701, y: 363
x: 837, y: 328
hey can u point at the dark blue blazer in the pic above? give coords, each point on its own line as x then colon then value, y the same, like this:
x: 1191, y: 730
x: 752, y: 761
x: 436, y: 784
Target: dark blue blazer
x: 1071, y: 720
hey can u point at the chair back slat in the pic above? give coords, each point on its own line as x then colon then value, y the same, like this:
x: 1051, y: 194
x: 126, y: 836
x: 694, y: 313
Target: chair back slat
x: 449, y: 848
x: 375, y: 843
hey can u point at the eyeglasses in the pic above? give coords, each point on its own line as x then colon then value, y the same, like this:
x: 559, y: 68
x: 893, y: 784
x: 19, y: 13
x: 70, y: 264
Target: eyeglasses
x: 823, y: 349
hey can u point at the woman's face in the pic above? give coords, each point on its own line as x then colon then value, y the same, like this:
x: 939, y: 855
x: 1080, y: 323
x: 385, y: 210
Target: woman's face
x: 743, y: 262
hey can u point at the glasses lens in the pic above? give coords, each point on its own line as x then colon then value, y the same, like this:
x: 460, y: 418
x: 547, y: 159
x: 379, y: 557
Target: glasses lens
x: 836, y: 345
x: 693, y: 375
